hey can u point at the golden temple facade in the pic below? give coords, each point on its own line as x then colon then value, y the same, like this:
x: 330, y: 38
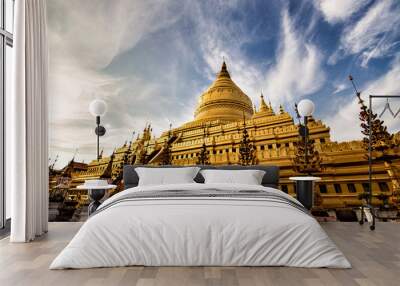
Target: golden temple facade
x: 222, y: 111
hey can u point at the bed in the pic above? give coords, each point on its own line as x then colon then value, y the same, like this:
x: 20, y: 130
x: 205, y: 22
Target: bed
x: 201, y: 224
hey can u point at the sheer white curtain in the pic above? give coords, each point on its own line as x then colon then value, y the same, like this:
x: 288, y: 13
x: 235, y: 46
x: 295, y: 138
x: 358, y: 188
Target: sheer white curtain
x: 28, y: 143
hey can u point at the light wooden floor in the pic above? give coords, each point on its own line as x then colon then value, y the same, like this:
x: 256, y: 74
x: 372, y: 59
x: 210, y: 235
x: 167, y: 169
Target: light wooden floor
x: 375, y: 257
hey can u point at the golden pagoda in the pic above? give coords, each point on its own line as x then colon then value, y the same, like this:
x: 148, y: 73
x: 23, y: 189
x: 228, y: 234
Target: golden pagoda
x: 217, y: 124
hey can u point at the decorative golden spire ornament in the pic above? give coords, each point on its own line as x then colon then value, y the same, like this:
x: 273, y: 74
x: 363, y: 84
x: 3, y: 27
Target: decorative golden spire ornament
x: 54, y: 163
x: 313, y: 164
x: 203, y: 158
x: 246, y: 148
x: 270, y: 108
x: 263, y: 105
x: 264, y: 109
x: 166, y: 158
x: 224, y: 71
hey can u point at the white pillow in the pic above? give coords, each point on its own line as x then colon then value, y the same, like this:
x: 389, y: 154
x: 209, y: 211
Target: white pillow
x: 166, y: 176
x: 248, y: 177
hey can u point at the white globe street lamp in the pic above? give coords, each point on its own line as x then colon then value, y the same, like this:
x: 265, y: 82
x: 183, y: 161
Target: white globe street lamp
x: 98, y: 108
x: 306, y: 107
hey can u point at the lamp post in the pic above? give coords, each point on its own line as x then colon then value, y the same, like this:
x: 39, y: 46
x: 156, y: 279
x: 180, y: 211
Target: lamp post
x: 305, y: 184
x: 97, y: 188
x: 98, y: 108
x: 305, y: 108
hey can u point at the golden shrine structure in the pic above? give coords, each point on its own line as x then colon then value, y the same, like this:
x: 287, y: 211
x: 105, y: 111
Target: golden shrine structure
x: 219, y: 119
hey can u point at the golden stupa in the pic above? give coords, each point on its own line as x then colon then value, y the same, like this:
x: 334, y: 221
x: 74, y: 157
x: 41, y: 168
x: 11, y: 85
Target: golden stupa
x: 223, y: 101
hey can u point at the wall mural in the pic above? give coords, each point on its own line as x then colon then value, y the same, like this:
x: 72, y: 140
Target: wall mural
x: 217, y: 82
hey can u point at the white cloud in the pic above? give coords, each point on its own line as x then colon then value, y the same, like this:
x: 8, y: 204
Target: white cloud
x: 84, y: 38
x: 298, y: 70
x: 372, y: 36
x: 335, y: 11
x: 87, y: 37
x: 339, y: 88
x: 94, y: 32
x: 345, y: 124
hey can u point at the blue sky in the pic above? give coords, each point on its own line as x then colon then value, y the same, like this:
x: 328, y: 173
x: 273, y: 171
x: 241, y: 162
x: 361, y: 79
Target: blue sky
x: 150, y: 61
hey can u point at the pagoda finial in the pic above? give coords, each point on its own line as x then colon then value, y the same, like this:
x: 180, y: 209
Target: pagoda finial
x: 281, y: 110
x: 73, y: 157
x: 224, y: 71
x: 55, y: 161
x: 223, y: 67
x: 270, y: 108
x: 263, y: 105
x: 358, y: 93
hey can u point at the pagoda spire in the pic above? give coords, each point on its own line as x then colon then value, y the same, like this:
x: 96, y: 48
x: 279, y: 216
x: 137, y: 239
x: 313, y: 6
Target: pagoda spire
x: 270, y: 108
x: 224, y: 71
x: 263, y: 105
x: 281, y: 110
x: 54, y: 163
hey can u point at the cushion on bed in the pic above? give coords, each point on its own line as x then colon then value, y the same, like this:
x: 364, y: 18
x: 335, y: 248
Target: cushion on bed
x: 166, y: 176
x: 248, y: 177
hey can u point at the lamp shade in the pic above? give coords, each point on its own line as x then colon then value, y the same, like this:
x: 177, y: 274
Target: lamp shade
x: 305, y: 107
x: 98, y: 107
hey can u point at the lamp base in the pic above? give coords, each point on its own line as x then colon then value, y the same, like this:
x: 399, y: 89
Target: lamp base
x: 305, y: 193
x: 96, y: 195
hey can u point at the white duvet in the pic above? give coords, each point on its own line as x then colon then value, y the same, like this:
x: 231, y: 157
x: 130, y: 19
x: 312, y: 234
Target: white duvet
x: 200, y: 231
